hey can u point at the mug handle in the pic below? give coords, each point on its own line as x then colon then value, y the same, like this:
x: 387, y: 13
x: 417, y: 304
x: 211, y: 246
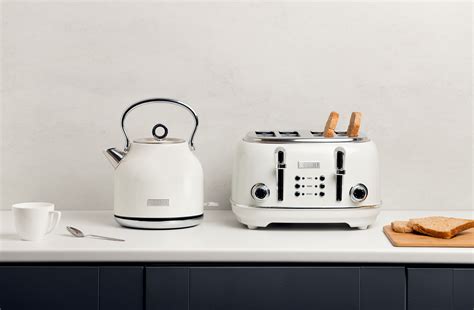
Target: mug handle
x: 54, y: 217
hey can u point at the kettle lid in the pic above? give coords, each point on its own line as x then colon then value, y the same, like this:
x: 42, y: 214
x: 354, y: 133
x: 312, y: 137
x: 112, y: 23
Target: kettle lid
x: 159, y: 139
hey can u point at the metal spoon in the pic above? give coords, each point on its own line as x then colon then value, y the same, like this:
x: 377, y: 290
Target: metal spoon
x: 78, y: 233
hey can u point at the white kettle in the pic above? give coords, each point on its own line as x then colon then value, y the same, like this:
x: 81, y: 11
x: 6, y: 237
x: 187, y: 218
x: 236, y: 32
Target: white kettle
x: 158, y: 180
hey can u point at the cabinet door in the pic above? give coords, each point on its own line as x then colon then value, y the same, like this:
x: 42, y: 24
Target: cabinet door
x: 167, y: 288
x: 121, y: 288
x: 463, y: 289
x: 48, y: 288
x: 382, y: 288
x: 328, y: 288
x: 430, y: 288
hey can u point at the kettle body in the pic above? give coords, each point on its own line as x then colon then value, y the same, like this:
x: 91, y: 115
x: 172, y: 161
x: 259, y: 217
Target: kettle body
x: 158, y: 182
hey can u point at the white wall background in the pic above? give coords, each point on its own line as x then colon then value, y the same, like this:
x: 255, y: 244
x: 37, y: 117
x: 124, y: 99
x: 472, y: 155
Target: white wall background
x: 70, y: 69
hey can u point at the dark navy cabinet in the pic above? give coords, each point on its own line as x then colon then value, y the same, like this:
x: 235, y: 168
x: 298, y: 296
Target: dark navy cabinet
x: 463, y: 289
x: 274, y: 288
x: 228, y: 287
x: 167, y: 288
x: 72, y: 288
x: 382, y: 288
x: 440, y: 288
x: 121, y: 288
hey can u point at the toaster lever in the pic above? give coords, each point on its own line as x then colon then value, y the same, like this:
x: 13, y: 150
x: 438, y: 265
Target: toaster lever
x: 340, y: 172
x: 280, y: 172
x: 281, y: 159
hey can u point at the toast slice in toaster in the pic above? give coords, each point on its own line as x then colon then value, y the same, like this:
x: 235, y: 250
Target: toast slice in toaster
x: 401, y: 227
x: 331, y: 123
x: 354, y: 124
x: 440, y: 226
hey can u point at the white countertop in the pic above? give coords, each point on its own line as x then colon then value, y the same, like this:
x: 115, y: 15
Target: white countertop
x: 220, y: 238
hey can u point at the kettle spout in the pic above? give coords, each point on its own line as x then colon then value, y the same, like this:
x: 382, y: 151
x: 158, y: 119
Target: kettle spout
x: 114, y: 156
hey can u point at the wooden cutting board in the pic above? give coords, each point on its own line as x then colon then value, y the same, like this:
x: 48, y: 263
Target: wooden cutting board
x: 463, y: 240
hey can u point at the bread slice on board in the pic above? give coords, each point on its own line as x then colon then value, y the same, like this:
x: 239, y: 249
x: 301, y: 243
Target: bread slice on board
x: 331, y: 123
x: 401, y: 227
x: 354, y: 124
x: 440, y: 226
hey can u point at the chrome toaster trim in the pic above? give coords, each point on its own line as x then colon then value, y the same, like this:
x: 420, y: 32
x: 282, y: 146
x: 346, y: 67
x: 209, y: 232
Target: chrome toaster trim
x: 300, y: 136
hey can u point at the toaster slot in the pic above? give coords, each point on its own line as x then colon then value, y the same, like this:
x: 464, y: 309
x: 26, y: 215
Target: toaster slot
x: 289, y: 133
x: 265, y: 134
x: 280, y: 171
x: 339, y: 173
x: 317, y: 134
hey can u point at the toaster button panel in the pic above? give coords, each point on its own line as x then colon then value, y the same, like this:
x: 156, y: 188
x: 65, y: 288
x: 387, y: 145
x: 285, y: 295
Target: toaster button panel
x: 309, y: 185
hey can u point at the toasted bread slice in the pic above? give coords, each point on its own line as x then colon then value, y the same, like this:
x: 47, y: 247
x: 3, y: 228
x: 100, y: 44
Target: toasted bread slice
x: 354, y: 124
x: 440, y: 226
x: 331, y: 123
x: 401, y: 227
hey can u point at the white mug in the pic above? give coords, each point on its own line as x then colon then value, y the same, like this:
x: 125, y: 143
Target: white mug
x: 34, y: 220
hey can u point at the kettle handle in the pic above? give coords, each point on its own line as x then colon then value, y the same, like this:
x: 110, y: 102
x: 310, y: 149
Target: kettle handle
x: 164, y: 100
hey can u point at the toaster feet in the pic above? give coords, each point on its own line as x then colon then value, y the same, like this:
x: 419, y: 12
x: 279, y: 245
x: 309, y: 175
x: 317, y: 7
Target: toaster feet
x: 363, y: 227
x: 252, y: 227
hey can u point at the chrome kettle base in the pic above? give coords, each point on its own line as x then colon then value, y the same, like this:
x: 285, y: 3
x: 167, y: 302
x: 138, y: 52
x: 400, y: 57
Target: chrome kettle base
x: 159, y: 223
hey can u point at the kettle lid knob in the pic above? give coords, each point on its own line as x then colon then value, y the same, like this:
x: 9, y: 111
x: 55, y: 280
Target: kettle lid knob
x: 163, y: 135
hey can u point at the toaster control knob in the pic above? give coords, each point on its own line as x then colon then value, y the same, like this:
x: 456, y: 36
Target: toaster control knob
x: 260, y: 192
x: 358, y: 193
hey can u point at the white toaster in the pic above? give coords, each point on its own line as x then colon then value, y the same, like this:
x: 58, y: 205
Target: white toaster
x: 302, y: 177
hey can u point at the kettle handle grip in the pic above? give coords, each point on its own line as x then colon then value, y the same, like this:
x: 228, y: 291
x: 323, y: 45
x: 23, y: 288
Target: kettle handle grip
x: 164, y: 100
